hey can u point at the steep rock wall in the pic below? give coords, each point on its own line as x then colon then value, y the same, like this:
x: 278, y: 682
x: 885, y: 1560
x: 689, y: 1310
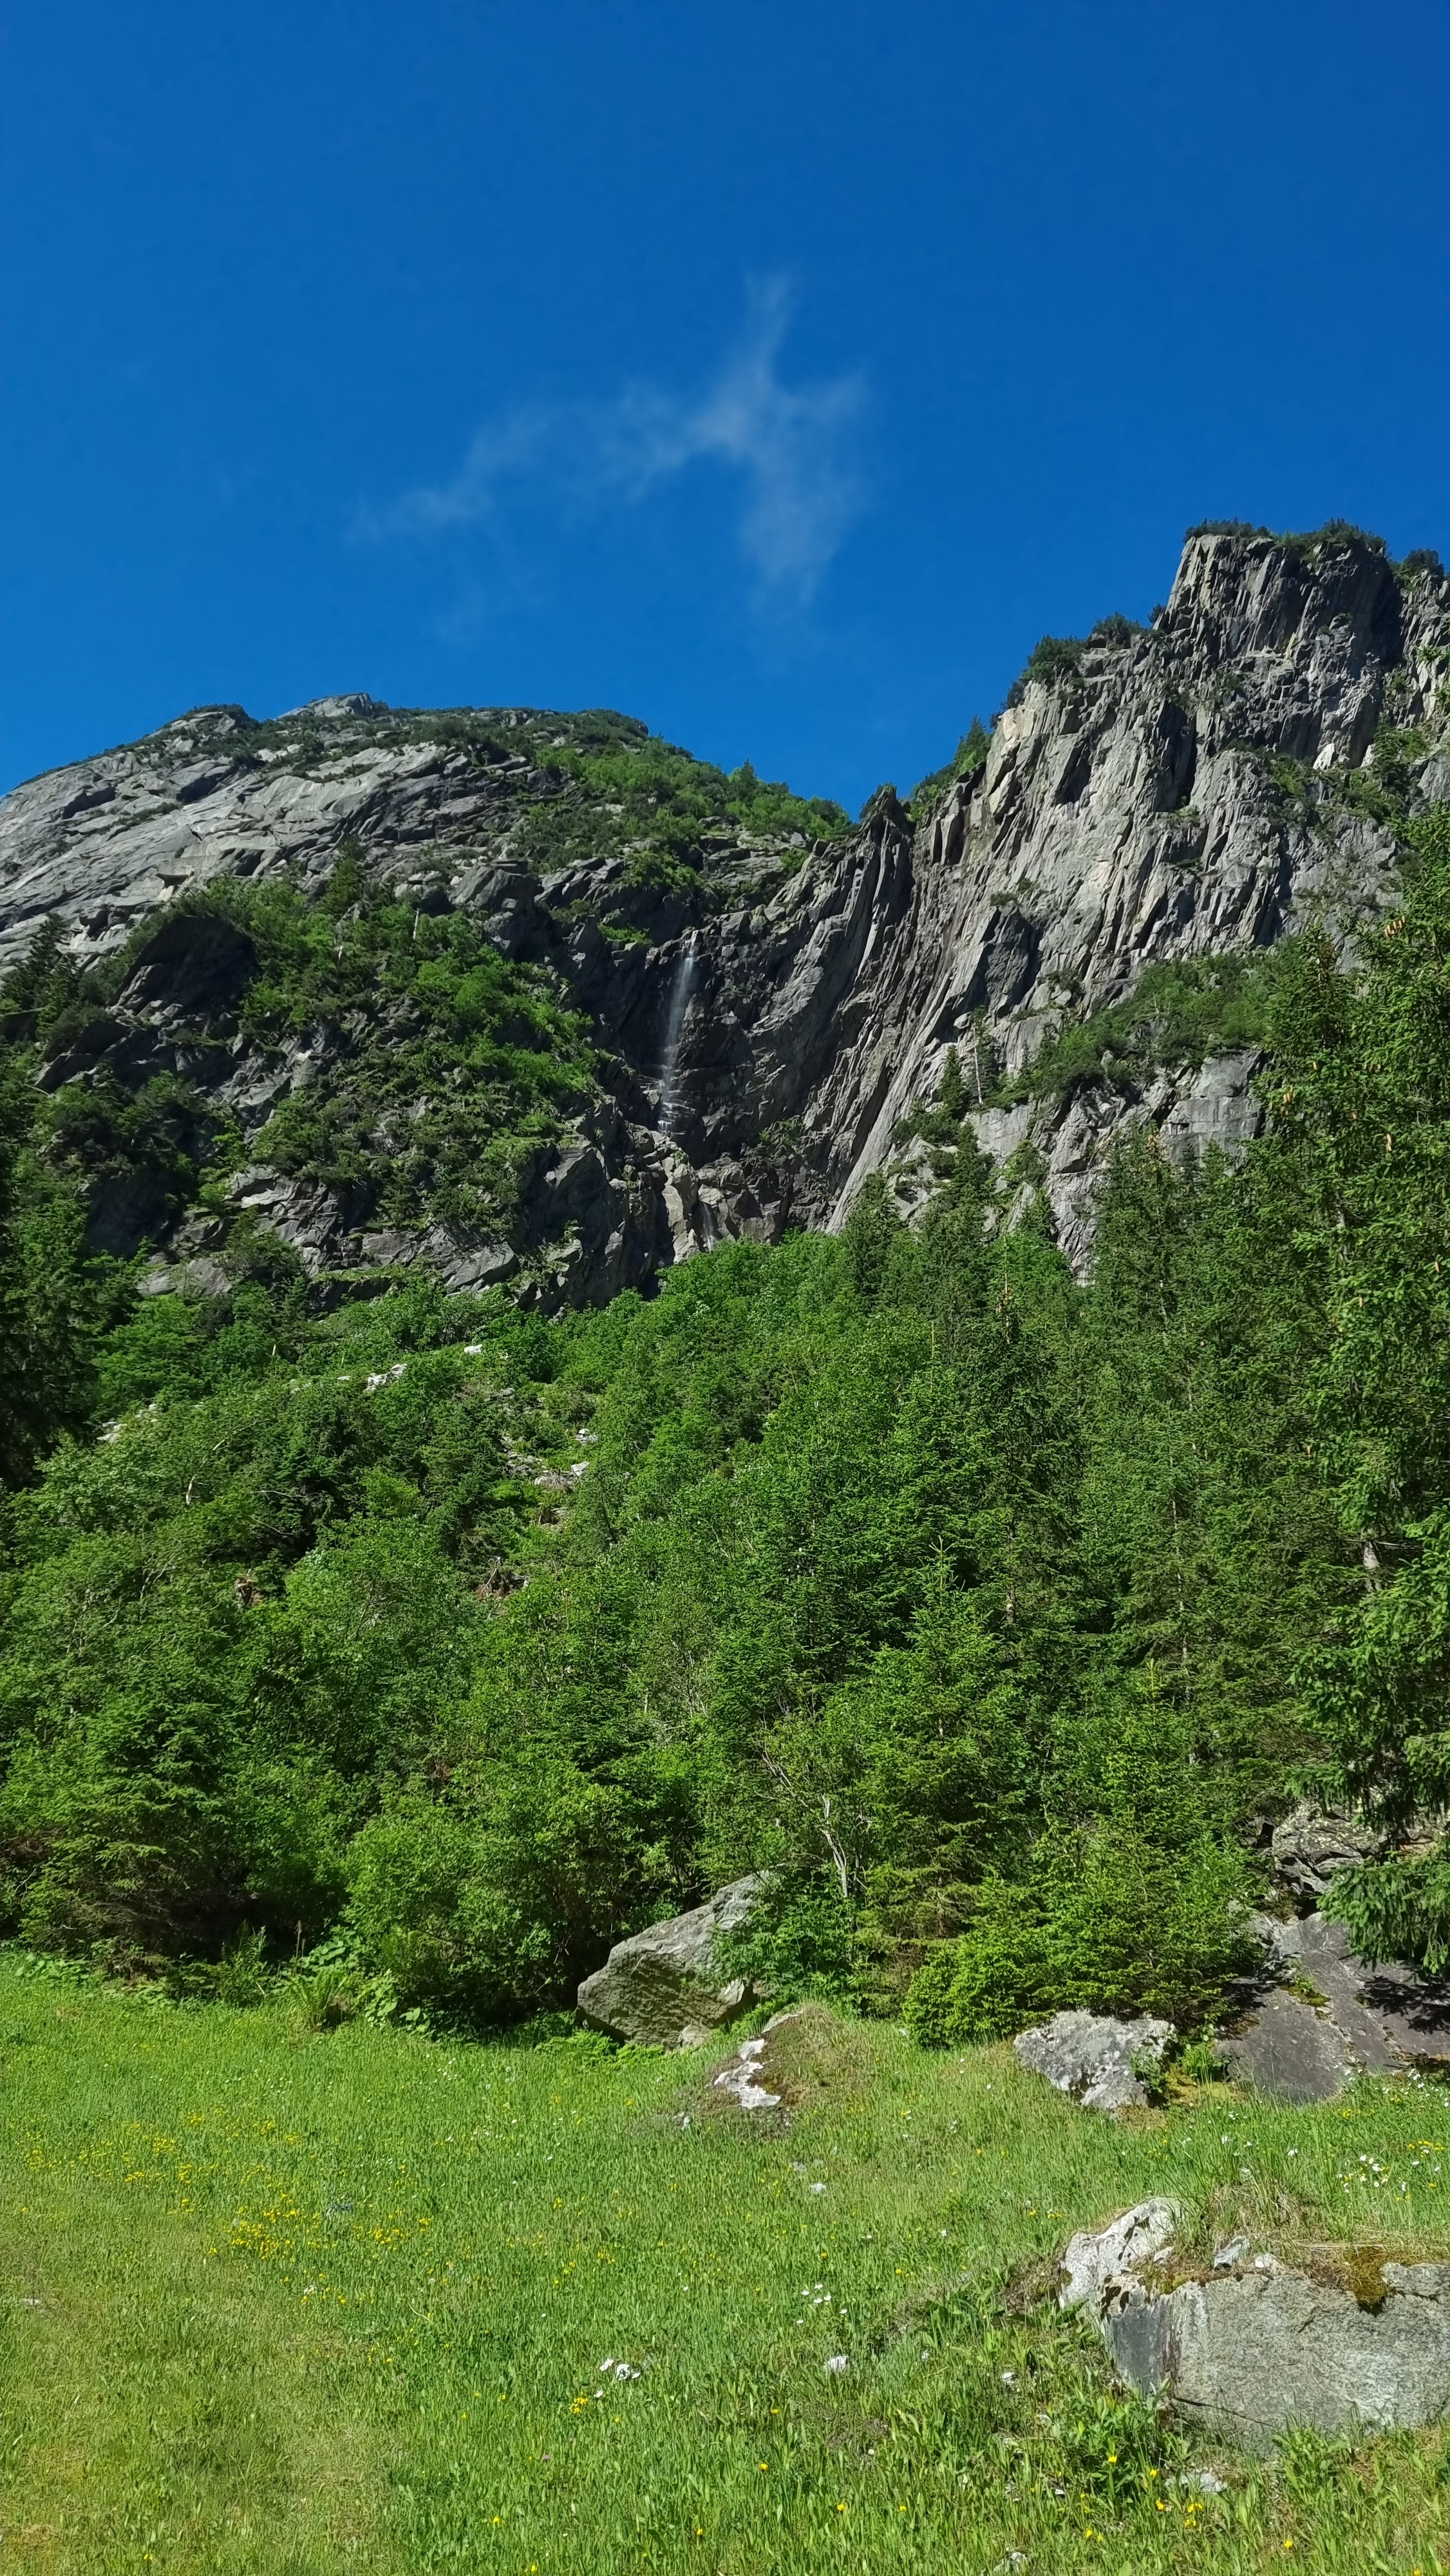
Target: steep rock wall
x: 768, y: 1018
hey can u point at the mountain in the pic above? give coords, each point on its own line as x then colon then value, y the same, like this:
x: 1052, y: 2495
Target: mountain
x: 508, y: 995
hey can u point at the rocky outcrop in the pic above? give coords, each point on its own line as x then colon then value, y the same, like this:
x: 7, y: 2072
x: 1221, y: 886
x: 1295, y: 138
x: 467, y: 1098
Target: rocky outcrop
x: 746, y: 2078
x: 1338, y: 2340
x: 1135, y: 808
x: 766, y: 1023
x: 662, y: 1987
x: 1311, y: 1843
x: 1101, y: 2063
x: 741, y: 2079
x: 1322, y: 2016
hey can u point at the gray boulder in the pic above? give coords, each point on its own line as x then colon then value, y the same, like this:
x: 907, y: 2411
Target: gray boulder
x: 1253, y: 2346
x: 1095, y: 2059
x: 662, y: 1985
x: 1256, y: 2350
x: 1288, y: 2048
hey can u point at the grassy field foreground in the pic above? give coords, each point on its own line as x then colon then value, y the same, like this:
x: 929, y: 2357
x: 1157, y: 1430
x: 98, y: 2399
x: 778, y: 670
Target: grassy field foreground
x: 285, y: 2303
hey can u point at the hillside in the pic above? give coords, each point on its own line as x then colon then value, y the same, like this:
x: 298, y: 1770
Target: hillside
x: 379, y: 1581
x: 574, y: 1328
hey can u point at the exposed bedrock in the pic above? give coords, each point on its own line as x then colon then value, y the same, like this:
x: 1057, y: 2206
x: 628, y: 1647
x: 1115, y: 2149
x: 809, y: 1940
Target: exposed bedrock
x: 1255, y: 2343
x: 1158, y: 794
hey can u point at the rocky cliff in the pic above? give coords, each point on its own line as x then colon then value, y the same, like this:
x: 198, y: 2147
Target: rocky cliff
x: 760, y: 997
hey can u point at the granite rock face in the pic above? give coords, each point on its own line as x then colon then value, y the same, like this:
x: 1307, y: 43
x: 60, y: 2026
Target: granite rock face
x: 766, y: 1034
x: 1324, y: 2016
x: 662, y: 1987
x: 1338, y: 2341
x: 1310, y: 1844
x: 1135, y: 812
x: 1097, y: 2060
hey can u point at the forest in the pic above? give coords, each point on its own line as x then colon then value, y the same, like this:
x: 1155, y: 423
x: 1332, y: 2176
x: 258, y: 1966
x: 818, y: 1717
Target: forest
x: 431, y: 1645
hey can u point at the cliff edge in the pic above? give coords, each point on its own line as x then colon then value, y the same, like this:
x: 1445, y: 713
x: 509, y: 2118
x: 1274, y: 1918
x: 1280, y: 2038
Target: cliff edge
x: 734, y: 1005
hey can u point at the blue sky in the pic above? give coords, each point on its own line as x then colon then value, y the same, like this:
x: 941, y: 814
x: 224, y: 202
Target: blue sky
x: 777, y: 371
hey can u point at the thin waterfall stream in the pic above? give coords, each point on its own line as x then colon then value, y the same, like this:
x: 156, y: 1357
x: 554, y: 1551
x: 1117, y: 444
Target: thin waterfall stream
x: 674, y: 1027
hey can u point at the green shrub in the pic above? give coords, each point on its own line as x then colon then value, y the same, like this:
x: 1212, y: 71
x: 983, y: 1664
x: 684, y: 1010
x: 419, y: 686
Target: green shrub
x: 1055, y: 657
x: 1107, y: 1923
x: 800, y: 1940
x: 967, y: 762
x: 241, y: 1976
x: 998, y: 1977
x: 1179, y: 1013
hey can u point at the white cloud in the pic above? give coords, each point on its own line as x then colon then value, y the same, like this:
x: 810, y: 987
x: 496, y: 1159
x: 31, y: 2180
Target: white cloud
x: 789, y: 445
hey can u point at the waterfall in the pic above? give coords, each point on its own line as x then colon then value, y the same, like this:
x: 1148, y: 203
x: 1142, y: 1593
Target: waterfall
x: 674, y: 1029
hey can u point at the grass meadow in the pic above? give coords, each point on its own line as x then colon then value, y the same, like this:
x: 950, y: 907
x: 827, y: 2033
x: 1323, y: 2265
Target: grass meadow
x: 283, y: 2303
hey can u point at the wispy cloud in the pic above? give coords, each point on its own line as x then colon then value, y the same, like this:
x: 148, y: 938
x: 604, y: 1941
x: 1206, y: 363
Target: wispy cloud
x: 791, y: 447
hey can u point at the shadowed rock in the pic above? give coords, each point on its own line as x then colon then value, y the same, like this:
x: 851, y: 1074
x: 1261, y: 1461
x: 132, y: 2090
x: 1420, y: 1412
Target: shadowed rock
x: 1312, y: 1843
x: 1288, y: 2049
x: 193, y: 964
x: 1346, y: 2018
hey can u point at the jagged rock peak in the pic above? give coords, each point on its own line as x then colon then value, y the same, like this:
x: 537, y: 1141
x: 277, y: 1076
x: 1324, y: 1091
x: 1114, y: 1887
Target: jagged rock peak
x: 774, y: 997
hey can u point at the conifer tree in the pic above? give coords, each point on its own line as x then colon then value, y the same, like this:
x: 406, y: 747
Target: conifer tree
x: 1361, y: 1167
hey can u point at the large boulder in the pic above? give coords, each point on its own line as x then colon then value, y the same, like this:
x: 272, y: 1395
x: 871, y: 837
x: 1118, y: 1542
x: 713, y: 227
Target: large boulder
x: 1098, y: 2061
x: 662, y: 1986
x: 1289, y: 2048
x: 1337, y: 2340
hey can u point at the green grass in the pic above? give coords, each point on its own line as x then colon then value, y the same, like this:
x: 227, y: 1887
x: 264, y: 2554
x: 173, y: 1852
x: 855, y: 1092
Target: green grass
x: 290, y: 2303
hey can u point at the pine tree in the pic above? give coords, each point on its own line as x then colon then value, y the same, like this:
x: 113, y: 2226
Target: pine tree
x: 1358, y: 1167
x: 868, y: 1237
x: 1209, y: 1542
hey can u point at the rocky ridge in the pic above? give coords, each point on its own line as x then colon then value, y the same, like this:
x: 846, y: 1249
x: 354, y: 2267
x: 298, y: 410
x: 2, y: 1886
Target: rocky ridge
x: 770, y: 994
